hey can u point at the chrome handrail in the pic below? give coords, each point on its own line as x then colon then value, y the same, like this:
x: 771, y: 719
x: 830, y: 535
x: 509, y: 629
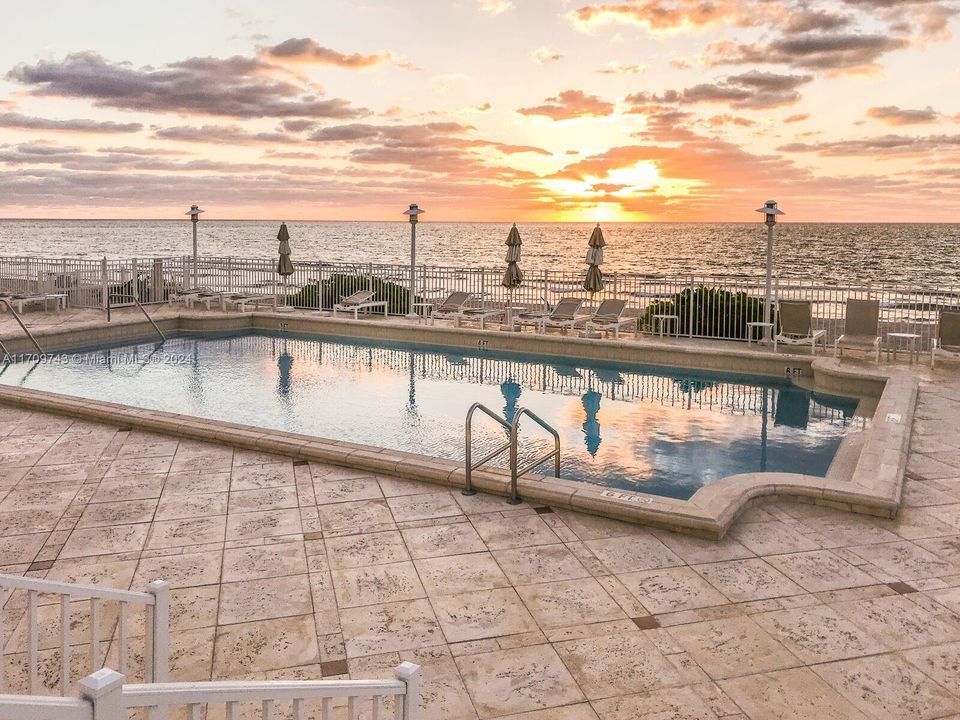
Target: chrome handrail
x: 136, y: 302
x: 512, y: 444
x: 23, y: 327
x: 515, y: 473
x: 468, y: 453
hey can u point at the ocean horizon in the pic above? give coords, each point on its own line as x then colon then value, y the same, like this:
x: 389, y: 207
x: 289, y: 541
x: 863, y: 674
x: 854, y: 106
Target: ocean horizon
x: 920, y: 254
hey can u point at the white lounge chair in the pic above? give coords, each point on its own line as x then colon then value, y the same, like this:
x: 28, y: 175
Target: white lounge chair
x: 796, y: 325
x: 947, y: 342
x: 609, y: 316
x: 360, y: 300
x: 564, y: 314
x: 479, y: 314
x: 198, y: 295
x: 451, y: 308
x: 861, y: 328
x: 20, y: 300
x: 241, y: 300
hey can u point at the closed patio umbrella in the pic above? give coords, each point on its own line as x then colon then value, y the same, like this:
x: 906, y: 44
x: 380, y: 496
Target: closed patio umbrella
x: 593, y: 283
x: 513, y: 276
x: 284, y: 264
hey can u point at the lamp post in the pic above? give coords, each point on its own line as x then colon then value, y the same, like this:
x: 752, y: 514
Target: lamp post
x: 770, y: 211
x: 412, y: 212
x: 194, y: 213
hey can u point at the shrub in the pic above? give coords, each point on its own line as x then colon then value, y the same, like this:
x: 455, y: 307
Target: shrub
x: 714, y: 312
x: 323, y: 295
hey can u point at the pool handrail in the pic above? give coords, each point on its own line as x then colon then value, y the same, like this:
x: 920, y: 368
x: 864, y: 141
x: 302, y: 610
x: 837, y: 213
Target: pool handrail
x: 469, y: 465
x: 515, y: 473
x: 23, y: 327
x: 132, y: 296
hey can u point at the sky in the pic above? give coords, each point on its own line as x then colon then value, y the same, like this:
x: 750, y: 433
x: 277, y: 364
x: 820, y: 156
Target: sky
x: 481, y: 110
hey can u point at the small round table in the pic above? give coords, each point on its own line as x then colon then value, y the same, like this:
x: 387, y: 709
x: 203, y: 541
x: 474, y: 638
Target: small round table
x: 751, y: 326
x: 912, y: 343
x: 661, y: 319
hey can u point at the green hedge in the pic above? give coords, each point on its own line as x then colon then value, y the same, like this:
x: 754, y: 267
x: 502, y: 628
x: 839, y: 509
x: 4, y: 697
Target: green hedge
x: 715, y: 312
x: 323, y: 295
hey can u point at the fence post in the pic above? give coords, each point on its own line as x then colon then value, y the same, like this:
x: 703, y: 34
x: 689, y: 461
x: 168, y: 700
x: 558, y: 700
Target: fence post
x: 690, y: 309
x: 104, y: 690
x: 104, y: 284
x: 409, y: 674
x: 160, y: 647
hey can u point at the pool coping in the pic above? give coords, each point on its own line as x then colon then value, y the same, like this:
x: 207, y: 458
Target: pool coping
x: 874, y: 488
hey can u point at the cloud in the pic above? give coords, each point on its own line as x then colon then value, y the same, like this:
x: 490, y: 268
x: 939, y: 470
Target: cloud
x: 752, y: 90
x: 805, y: 20
x: 799, y: 117
x: 545, y: 55
x: 727, y: 119
x: 829, y: 52
x: 668, y: 15
x: 237, y: 86
x: 882, y: 146
x: 308, y: 50
x: 25, y: 122
x: 615, y: 68
x: 570, y: 104
x: 495, y: 7
x: 218, y: 135
x: 893, y: 115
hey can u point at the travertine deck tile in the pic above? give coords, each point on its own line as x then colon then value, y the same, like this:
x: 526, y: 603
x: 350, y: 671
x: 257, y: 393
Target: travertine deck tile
x: 732, y: 647
x: 795, y: 694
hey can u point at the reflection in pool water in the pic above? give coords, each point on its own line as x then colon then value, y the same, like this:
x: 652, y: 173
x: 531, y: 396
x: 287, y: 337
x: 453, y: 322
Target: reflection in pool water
x: 640, y: 428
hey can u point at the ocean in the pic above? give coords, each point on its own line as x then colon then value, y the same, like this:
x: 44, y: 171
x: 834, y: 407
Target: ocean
x: 913, y: 254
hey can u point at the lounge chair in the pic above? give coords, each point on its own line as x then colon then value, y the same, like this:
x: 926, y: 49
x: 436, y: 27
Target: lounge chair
x: 451, y: 308
x: 947, y: 342
x: 360, y: 300
x: 241, y: 300
x: 796, y: 326
x: 609, y: 316
x: 22, y: 299
x: 204, y: 295
x: 481, y: 314
x: 563, y: 315
x: 861, y: 329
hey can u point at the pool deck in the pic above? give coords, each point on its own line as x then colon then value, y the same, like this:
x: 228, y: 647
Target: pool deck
x: 287, y: 568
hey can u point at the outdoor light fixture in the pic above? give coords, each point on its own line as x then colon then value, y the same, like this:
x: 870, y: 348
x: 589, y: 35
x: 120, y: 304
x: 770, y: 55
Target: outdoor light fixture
x: 412, y: 212
x: 194, y: 213
x: 770, y: 211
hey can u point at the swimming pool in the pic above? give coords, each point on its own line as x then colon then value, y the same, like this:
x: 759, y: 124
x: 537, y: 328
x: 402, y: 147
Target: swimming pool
x: 649, y: 429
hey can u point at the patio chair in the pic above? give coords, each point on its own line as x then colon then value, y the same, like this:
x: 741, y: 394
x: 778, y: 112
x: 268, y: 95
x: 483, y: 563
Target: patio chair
x: 796, y: 326
x: 947, y: 342
x: 204, y: 295
x: 241, y: 300
x: 451, y: 308
x: 861, y: 329
x: 360, y: 300
x: 24, y: 299
x: 609, y: 316
x: 564, y: 314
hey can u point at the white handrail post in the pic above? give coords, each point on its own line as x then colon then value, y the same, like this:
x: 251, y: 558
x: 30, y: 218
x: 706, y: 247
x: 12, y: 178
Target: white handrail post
x: 104, y: 690
x: 103, y: 283
x: 160, y: 590
x: 409, y: 674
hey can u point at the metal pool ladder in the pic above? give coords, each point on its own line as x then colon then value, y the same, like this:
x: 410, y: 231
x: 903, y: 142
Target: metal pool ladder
x: 23, y: 327
x: 136, y: 302
x: 514, y: 429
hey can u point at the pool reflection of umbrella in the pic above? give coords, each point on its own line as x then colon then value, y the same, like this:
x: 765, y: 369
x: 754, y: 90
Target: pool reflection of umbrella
x: 284, y: 264
x: 513, y: 276
x: 285, y: 366
x: 593, y: 282
x: 591, y: 427
x: 511, y: 395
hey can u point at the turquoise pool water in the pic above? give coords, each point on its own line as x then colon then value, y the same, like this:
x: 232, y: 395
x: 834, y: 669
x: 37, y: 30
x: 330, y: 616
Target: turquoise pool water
x: 640, y: 428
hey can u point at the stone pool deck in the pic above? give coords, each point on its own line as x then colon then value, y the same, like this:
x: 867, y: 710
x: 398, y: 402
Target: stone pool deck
x: 293, y: 569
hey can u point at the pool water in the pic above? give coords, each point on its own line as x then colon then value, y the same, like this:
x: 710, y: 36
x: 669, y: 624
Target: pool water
x: 639, y: 428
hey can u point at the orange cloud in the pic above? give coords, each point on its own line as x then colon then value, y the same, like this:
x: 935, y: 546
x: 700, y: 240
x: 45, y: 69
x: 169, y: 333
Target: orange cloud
x: 570, y: 104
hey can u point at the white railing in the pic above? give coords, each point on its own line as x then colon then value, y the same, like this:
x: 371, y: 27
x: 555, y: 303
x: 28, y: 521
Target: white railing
x: 104, y: 696
x: 721, y: 307
x: 155, y: 604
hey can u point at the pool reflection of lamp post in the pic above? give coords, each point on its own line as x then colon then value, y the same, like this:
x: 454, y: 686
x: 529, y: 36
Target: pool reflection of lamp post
x: 770, y: 211
x: 412, y: 212
x: 591, y: 426
x: 194, y: 213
